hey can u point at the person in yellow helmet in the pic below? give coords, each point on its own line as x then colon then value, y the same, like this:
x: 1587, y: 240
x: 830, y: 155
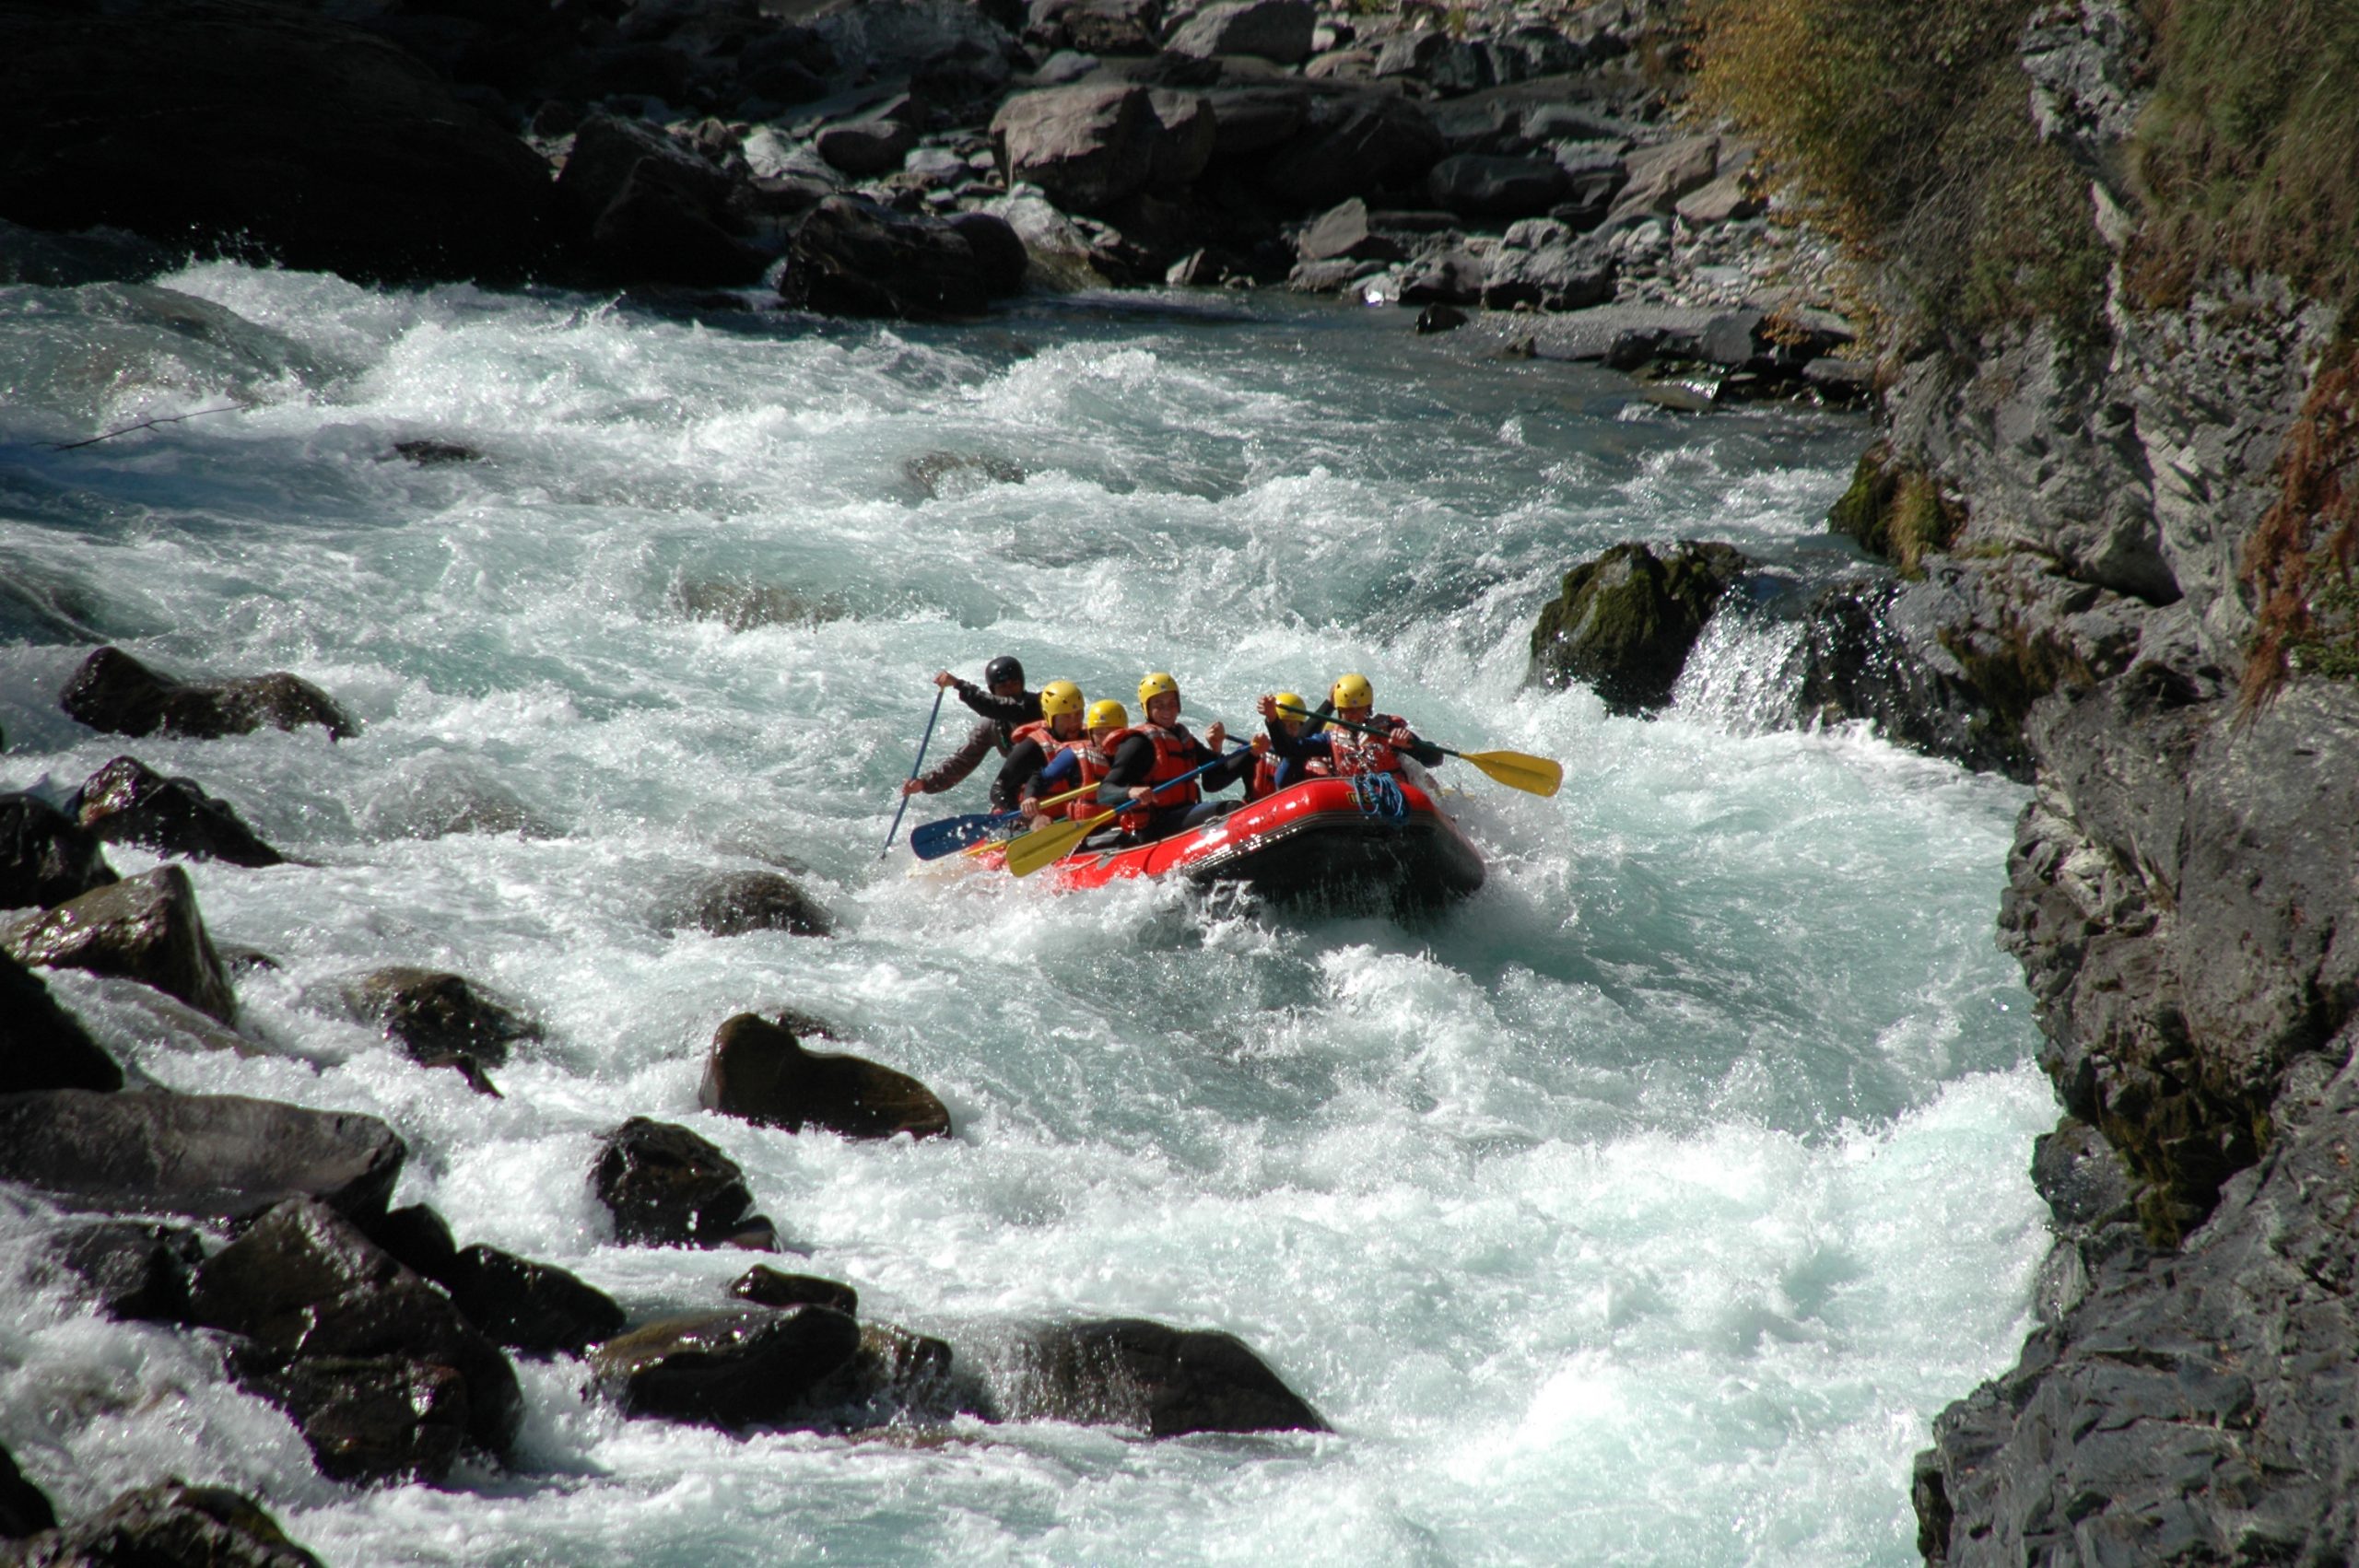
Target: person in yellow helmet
x: 1272, y: 772
x: 1353, y: 700
x: 1159, y: 751
x: 1032, y: 746
x: 1077, y: 765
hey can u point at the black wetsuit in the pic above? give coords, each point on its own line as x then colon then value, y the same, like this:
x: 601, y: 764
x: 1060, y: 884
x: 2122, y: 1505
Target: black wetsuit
x: 1000, y: 717
x: 1135, y: 759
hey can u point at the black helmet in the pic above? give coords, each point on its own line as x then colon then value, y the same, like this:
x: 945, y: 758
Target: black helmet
x: 1004, y: 670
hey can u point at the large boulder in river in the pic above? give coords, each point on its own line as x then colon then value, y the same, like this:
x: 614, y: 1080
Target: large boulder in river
x: 263, y: 125
x: 738, y: 902
x: 113, y: 692
x: 651, y: 209
x: 538, y: 1308
x: 666, y: 1187
x: 1131, y: 1372
x: 1624, y: 623
x: 46, y: 857
x: 169, y: 1525
x: 128, y: 803
x: 853, y: 258
x: 740, y: 1370
x: 42, y: 1045
x: 207, y: 1156
x: 304, y: 1286
x: 144, y: 928
x: 760, y: 1071
x: 1273, y: 30
x: 130, y: 1269
x: 437, y: 1018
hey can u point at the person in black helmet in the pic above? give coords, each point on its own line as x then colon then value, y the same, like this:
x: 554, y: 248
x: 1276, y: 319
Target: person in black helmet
x: 1004, y: 705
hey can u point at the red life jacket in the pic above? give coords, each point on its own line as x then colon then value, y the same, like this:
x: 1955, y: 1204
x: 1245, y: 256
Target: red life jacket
x: 1352, y: 752
x: 1175, y: 754
x: 1264, y: 782
x: 1090, y: 768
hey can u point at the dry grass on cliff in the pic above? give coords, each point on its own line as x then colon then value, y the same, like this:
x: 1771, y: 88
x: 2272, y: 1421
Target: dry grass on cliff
x: 2249, y: 152
x: 1901, y: 126
x: 2300, y: 560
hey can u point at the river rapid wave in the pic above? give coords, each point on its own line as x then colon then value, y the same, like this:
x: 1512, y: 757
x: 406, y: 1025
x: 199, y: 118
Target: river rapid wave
x: 1641, y: 1210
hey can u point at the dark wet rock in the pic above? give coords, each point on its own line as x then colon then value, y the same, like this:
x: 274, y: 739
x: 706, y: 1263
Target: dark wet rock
x: 130, y: 1269
x: 267, y: 127
x: 437, y: 1018
x: 417, y: 1237
x: 1439, y: 319
x: 144, y: 928
x: 1342, y: 233
x: 899, y: 1375
x: 1479, y: 187
x: 534, y: 1308
x: 1250, y: 119
x: 656, y: 231
x: 852, y: 258
x: 370, y: 1419
x: 738, y: 1371
x: 609, y: 150
x: 128, y: 803
x: 207, y: 1156
x: 115, y: 693
x: 765, y: 1286
x: 1000, y: 261
x: 1350, y: 147
x: 867, y: 146
x: 172, y: 1524
x: 46, y: 857
x: 1168, y: 1382
x: 739, y: 902
x: 1087, y: 147
x: 69, y: 260
x: 760, y: 1071
x: 24, y: 1510
x: 1273, y: 30
x: 666, y: 1187
x: 429, y: 454
x: 42, y: 1045
x: 741, y: 605
x: 302, y: 1284
x: 1624, y: 623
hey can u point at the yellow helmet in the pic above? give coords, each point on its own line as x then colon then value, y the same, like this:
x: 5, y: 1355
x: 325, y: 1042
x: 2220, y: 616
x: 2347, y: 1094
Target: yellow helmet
x: 1108, y: 714
x: 1059, y: 696
x: 1353, y: 691
x: 1156, y: 686
x: 1291, y: 706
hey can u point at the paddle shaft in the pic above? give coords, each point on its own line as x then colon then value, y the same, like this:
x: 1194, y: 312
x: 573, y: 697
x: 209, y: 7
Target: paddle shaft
x: 939, y: 692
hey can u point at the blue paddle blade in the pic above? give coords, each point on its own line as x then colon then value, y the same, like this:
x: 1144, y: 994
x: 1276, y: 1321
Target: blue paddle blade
x: 932, y: 840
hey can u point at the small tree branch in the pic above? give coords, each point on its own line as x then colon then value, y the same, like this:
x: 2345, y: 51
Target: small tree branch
x: 147, y: 424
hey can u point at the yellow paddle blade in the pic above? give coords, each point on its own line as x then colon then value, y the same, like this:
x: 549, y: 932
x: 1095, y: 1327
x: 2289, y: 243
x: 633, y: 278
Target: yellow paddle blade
x: 1533, y: 775
x: 1050, y: 844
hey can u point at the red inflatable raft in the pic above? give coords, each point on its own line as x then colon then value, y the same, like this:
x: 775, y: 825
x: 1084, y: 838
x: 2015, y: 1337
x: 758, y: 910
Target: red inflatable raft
x: 1369, y: 841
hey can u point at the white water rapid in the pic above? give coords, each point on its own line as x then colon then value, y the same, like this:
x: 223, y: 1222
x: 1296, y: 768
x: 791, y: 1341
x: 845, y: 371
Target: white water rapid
x: 1641, y: 1210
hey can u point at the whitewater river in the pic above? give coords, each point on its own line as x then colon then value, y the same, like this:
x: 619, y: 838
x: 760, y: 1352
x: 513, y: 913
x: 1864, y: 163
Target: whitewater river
x: 1642, y: 1209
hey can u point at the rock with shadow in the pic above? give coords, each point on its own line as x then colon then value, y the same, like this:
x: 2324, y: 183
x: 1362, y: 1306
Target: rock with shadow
x: 1131, y: 1372
x: 740, y: 1370
x: 538, y: 1308
x: 42, y: 1045
x: 338, y: 1327
x: 144, y: 928
x: 738, y: 902
x: 24, y: 1508
x: 438, y: 1019
x: 46, y: 857
x: 765, y: 1286
x: 115, y: 693
x: 849, y: 257
x: 128, y: 803
x: 168, y: 1525
x: 759, y: 1070
x: 130, y: 1269
x: 666, y: 1187
x: 1624, y: 623
x: 206, y: 1156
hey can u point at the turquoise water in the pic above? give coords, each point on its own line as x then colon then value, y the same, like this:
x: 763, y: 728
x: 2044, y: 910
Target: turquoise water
x: 1642, y: 1209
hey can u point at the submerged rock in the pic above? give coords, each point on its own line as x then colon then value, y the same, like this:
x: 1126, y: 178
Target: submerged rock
x: 146, y: 928
x: 437, y: 1018
x: 765, y: 1286
x: 46, y: 857
x: 1624, y: 623
x: 128, y: 803
x: 167, y: 1526
x: 42, y: 1045
x: 130, y: 1269
x: 739, y: 902
x: 1131, y: 1372
x: 207, y: 1156
x: 113, y: 692
x: 666, y: 1187
x: 739, y: 1370
x: 760, y: 1071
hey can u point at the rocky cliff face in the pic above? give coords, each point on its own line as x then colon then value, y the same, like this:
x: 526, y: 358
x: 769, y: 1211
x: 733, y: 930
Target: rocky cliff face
x: 2180, y: 893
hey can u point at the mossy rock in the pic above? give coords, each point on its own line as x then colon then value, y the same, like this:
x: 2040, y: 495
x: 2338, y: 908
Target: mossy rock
x: 1624, y: 623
